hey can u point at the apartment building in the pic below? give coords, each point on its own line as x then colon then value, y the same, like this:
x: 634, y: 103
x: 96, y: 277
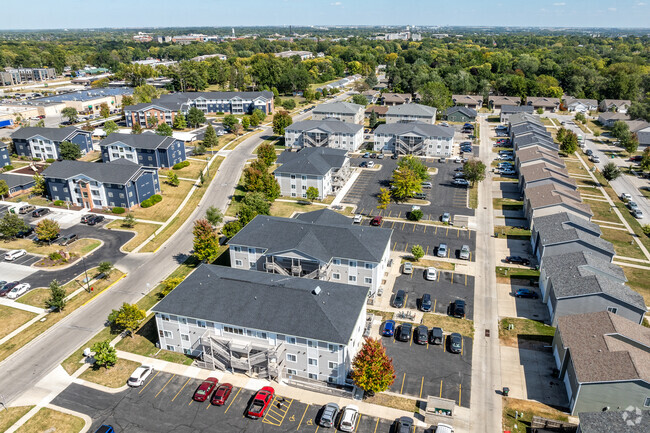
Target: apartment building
x: 415, y: 138
x: 343, y: 111
x: 44, y: 143
x: 411, y: 113
x: 149, y: 150
x: 324, y: 133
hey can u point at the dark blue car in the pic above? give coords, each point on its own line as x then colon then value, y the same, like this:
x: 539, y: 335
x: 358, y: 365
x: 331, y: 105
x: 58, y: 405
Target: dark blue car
x: 389, y: 328
x: 105, y: 429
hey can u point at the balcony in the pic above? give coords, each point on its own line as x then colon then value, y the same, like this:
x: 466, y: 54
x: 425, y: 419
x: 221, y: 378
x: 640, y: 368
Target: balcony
x: 316, y: 140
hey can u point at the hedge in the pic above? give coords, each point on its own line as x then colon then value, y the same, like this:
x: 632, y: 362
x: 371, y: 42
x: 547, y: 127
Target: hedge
x: 156, y: 198
x: 147, y: 203
x: 7, y: 167
x: 59, y: 203
x: 36, y: 159
x: 181, y: 165
x: 118, y: 210
x: 50, y: 160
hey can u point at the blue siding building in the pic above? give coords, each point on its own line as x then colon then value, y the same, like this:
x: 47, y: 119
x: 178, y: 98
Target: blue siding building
x: 91, y: 185
x: 4, y: 155
x: 44, y: 143
x: 150, y: 150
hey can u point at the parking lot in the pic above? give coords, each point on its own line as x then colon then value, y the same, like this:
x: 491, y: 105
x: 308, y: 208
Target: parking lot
x: 444, y: 196
x: 164, y: 404
x: 429, y: 237
x: 423, y: 370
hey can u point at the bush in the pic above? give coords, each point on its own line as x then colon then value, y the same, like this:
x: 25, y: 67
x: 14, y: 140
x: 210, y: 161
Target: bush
x: 156, y: 198
x: 219, y: 113
x: 50, y: 160
x: 7, y: 167
x: 55, y: 256
x: 181, y: 165
x: 118, y: 210
x: 147, y: 203
x: 59, y: 203
x: 415, y: 215
x: 36, y: 159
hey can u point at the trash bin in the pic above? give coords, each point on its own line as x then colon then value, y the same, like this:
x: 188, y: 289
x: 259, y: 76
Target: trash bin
x: 506, y: 390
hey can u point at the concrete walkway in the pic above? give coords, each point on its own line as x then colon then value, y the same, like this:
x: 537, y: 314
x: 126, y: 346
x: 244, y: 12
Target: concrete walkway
x: 343, y: 191
x: 20, y: 306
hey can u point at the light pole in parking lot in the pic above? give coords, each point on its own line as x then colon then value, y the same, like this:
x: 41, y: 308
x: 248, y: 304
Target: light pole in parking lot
x: 83, y: 261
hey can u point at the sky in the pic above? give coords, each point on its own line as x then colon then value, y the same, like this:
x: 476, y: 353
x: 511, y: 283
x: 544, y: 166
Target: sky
x: 47, y: 14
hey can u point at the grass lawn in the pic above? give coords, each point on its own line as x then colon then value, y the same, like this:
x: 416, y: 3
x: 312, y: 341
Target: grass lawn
x: 286, y: 209
x: 113, y: 377
x: 185, y: 213
x: 11, y: 415
x: 586, y: 183
x: 645, y: 192
x: 424, y: 263
x: 507, y: 204
x: 192, y: 171
x: 505, y: 274
x: 91, y: 156
x: 602, y: 211
x: 473, y: 197
x: 12, y: 318
x: 74, y: 361
x: 142, y: 233
x: 385, y: 315
x: 449, y: 324
x: 508, y: 232
x: 48, y: 420
x: 402, y: 403
x: 592, y: 191
x: 595, y: 127
x: 144, y: 342
x: 624, y: 244
x: 173, y: 196
x: 529, y: 409
x: 239, y: 139
x: 82, y: 246
x: 637, y: 279
x: 36, y: 201
x: 524, y: 329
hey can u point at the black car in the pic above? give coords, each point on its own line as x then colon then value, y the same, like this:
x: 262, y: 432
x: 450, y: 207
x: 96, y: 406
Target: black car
x: 40, y: 212
x: 363, y: 164
x: 457, y: 308
x: 95, y: 220
x: 425, y: 303
x: 404, y: 424
x: 421, y: 335
x: 26, y: 232
x: 404, y: 333
x: 394, y: 156
x: 398, y: 301
x: 68, y: 239
x: 526, y: 293
x: 7, y: 288
x: 517, y: 260
x: 455, y: 343
x: 86, y: 218
x: 436, y: 336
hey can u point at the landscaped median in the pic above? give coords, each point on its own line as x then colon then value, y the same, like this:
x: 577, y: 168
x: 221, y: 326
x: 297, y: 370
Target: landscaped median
x: 524, y: 332
x: 76, y: 249
x: 50, y: 420
x: 526, y: 409
x: 508, y: 232
x: 449, y: 324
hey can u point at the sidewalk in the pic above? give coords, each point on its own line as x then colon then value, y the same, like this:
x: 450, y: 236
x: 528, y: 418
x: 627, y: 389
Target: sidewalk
x: 20, y: 306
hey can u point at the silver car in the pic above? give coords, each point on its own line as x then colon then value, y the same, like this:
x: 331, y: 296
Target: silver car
x: 328, y: 417
x: 407, y: 268
x: 445, y: 217
x: 442, y: 250
x: 464, y: 252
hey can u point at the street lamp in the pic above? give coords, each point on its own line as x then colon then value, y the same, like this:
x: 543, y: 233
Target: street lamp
x: 83, y: 261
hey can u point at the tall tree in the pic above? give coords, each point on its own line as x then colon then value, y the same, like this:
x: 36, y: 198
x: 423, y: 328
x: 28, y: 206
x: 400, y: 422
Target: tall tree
x: 229, y: 122
x: 69, y: 151
x: 164, y: 130
x: 10, y: 225
x: 405, y: 183
x: 4, y: 188
x: 374, y: 119
x: 260, y: 114
x: 39, y: 187
x: 436, y: 94
x: 47, y: 230
x: 110, y: 127
x: 416, y: 165
x: 266, y: 154
x: 136, y: 128
x: 312, y: 193
x: 71, y: 113
x: 360, y: 99
x: 195, y: 117
x: 384, y: 198
x: 569, y: 143
x: 179, y: 121
x: 56, y: 301
x: 104, y: 111
x: 246, y: 122
x: 210, y: 139
x: 206, y: 241
x: 127, y: 318
x: 105, y: 354
x: 280, y: 121
x: 214, y: 215
x: 372, y: 369
x: 474, y: 171
x: 611, y: 171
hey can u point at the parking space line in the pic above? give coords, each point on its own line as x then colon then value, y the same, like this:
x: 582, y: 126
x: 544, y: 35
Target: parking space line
x: 401, y: 389
x: 427, y: 253
x: 303, y: 417
x: 440, y: 396
x: 231, y: 401
x: 435, y: 301
x: 425, y: 229
x: 403, y: 225
x: 170, y: 379
x: 452, y: 277
x: 150, y: 380
x: 179, y: 391
x: 414, y: 225
x: 395, y: 246
x: 406, y: 247
x: 465, y: 279
x: 459, y: 393
x: 356, y: 427
x: 436, y: 232
x: 447, y: 233
x: 393, y: 225
x: 421, y: 385
x: 376, y: 425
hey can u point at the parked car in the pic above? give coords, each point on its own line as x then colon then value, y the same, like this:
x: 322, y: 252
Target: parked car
x: 26, y: 232
x: 380, y: 156
x: 517, y: 260
x: 632, y: 205
x: 427, y: 185
x: 8, y: 287
x: 425, y: 303
x: 442, y: 250
x: 85, y: 218
x: 445, y: 218
x: 637, y: 213
x: 140, y: 375
x: 404, y: 333
x: 366, y: 155
x: 370, y: 164
x: 464, y: 252
x: 26, y: 209
x: 358, y: 218
x: 461, y: 182
x: 389, y: 328
x: 595, y: 159
x: 589, y: 152
x: 459, y: 175
x: 68, y: 239
x: 14, y: 254
x: 421, y: 335
x: 455, y: 341
x: 394, y: 156
x: 95, y: 220
x: 18, y: 290
x: 625, y: 196
x: 40, y: 212
x: 420, y: 195
x: 105, y: 429
x: 407, y: 268
x: 203, y: 391
x: 526, y: 293
x: 363, y: 164
x: 468, y: 126
x: 457, y: 308
x: 349, y: 418
x: 221, y: 394
x: 398, y: 300
x: 431, y: 274
x: 329, y: 414
x: 404, y: 424
x: 436, y: 336
x: 261, y: 402
x: 376, y: 221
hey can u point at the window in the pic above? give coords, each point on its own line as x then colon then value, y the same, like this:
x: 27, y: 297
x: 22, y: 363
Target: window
x: 168, y: 334
x: 352, y: 278
x: 336, y: 261
x: 291, y: 372
x: 290, y: 340
x: 647, y: 402
x: 336, y: 276
x: 331, y: 379
x: 304, y: 187
x: 313, y: 361
x: 185, y: 337
x: 352, y: 263
x: 164, y: 317
x: 368, y: 265
x: 313, y: 376
x: 54, y: 188
x: 304, y: 177
x: 291, y: 357
x: 183, y: 320
x: 239, y: 263
x: 237, y: 249
x: 612, y: 309
x: 293, y: 176
x: 367, y: 280
x: 332, y: 365
x: 293, y: 186
x: 332, y: 347
x: 171, y: 348
x: 187, y: 351
x: 312, y: 343
x: 231, y: 330
x: 200, y: 323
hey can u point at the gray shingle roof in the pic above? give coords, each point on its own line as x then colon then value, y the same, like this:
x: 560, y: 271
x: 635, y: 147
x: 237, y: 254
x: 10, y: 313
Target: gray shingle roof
x: 542, y: 101
x: 54, y: 134
x: 411, y: 110
x: 467, y: 99
x: 469, y: 112
x: 329, y: 125
x: 546, y: 171
x: 118, y: 172
x: 560, y: 234
x: 173, y: 101
x: 419, y: 128
x: 17, y: 180
x: 338, y: 107
x: 322, y: 241
x: 524, y: 127
x: 612, y: 115
x: 610, y: 421
x: 517, y: 109
x: 324, y: 216
x: 268, y: 302
x: 534, y: 140
x: 562, y: 220
x: 519, y: 118
x: 311, y: 160
x: 501, y: 100
x: 139, y: 141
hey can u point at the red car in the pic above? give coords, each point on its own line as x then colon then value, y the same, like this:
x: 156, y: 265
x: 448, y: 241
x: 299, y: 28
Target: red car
x: 221, y: 394
x: 204, y: 390
x: 376, y: 221
x: 261, y: 402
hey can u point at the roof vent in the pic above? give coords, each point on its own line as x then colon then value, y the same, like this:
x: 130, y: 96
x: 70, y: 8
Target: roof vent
x: 316, y: 291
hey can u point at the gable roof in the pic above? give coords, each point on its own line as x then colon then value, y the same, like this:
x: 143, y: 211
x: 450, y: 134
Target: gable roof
x: 526, y: 127
x: 268, y: 302
x: 616, y: 102
x: 552, y: 194
x: 54, y: 134
x: 505, y: 109
x: 507, y: 100
x: 332, y: 126
x: 559, y: 221
x: 402, y: 98
x: 467, y: 99
x: 378, y: 109
x: 543, y: 170
x: 321, y: 239
x: 412, y: 110
x: 613, y: 115
x: 324, y: 216
x: 519, y: 118
x: 119, y: 171
x: 174, y: 101
x: 533, y: 153
x: 420, y: 128
x: 542, y: 101
x: 338, y: 107
x: 606, y: 347
x: 17, y: 180
x: 139, y: 141
x: 469, y: 112
x: 636, y: 125
x: 565, y: 233
x: 311, y: 160
x: 534, y: 139
x: 569, y: 100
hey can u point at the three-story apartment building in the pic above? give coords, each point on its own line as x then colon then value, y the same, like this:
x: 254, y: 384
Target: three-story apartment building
x: 150, y: 150
x: 411, y: 113
x: 415, y: 138
x: 44, y: 143
x: 343, y: 111
x: 324, y: 133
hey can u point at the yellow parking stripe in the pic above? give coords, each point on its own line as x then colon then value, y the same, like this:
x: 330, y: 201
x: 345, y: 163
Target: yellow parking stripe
x: 303, y: 417
x: 170, y: 379
x: 459, y: 393
x: 465, y: 279
x: 395, y: 246
x: 447, y: 233
x: 402, y: 387
x: 376, y: 425
x: 427, y: 253
x: 393, y: 225
x: 358, y: 422
x: 414, y: 225
x: 440, y: 396
x: 145, y: 387
x: 435, y: 301
x: 436, y: 232
x: 452, y: 277
x: 179, y: 391
x: 233, y: 400
x: 421, y: 385
x: 425, y: 229
x: 403, y: 225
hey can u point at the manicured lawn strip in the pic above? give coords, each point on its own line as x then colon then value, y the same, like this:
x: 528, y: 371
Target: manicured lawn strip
x: 172, y: 196
x: 152, y: 298
x: 529, y: 409
x: 637, y: 279
x: 113, y: 377
x: 48, y: 420
x: 142, y: 232
x: 286, y: 209
x: 624, y: 244
x: 602, y: 211
x: 449, y: 324
x: 73, y: 362
x: 420, y: 265
x: 402, y: 403
x: 473, y: 197
x: 385, y: 315
x: 508, y: 232
x: 525, y: 329
x: 81, y: 246
x: 507, y: 204
x: 192, y: 171
x: 11, y: 415
x: 506, y: 274
x: 13, y: 318
x: 592, y: 191
x: 36, y: 201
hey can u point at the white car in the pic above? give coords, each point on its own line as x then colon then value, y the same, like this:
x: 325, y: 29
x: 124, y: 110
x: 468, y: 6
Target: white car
x: 464, y: 252
x: 626, y: 197
x: 445, y: 217
x: 407, y: 268
x: 431, y: 274
x: 349, y: 418
x: 595, y: 159
x: 638, y: 214
x: 140, y: 375
x: 14, y: 254
x: 371, y: 164
x: 358, y: 218
x: 18, y: 291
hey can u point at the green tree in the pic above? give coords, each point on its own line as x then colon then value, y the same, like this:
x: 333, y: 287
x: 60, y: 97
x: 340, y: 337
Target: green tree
x: 10, y: 225
x: 372, y: 369
x: 102, y: 82
x: 105, y: 354
x: 645, y: 159
x: 210, y: 138
x: 260, y: 114
x: 309, y: 95
x: 360, y: 99
x: 152, y: 121
x: 266, y: 154
x: 195, y: 117
x: 40, y: 124
x: 405, y: 183
x: 231, y: 228
x: 71, y: 113
x: 47, y: 230
x: 105, y: 268
x: 69, y: 151
x: 165, y: 130
x: 206, y: 241
x: 199, y: 149
x: 39, y: 187
x: 127, y: 319
x: 436, y: 94
x: 56, y: 301
x: 374, y: 119
x: 580, y: 117
x: 415, y: 215
x: 270, y: 186
x: 145, y: 93
x: 110, y: 127
x: 246, y: 122
x: 611, y: 171
x: 312, y: 193
x: 288, y: 104
x: 4, y: 188
x: 417, y: 252
x: 384, y: 198
x: 136, y: 129
x: 569, y: 143
x: 620, y: 129
x: 104, y: 111
x: 371, y: 80
x: 474, y: 171
x: 629, y: 142
x: 172, y: 179
x: 229, y: 122
x: 170, y: 284
x: 214, y: 215
x: 129, y: 220
x: 280, y: 121
x: 254, y: 120
x: 258, y: 202
x: 416, y: 165
x: 179, y: 121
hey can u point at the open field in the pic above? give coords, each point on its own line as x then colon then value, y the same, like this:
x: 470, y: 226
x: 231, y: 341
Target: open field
x: 192, y: 171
